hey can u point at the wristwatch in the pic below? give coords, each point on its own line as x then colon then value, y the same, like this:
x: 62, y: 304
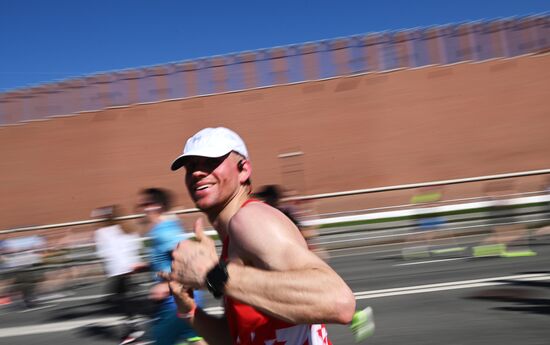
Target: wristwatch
x: 216, y: 279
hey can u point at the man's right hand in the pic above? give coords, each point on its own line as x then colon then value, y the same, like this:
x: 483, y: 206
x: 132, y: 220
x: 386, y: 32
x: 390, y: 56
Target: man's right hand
x: 159, y: 291
x: 183, y: 297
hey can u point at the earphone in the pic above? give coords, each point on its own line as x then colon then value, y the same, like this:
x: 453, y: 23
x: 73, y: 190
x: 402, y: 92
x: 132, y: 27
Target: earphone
x: 240, y: 165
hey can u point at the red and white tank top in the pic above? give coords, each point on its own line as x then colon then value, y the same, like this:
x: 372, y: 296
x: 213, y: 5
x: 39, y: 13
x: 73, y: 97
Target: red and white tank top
x: 249, y: 326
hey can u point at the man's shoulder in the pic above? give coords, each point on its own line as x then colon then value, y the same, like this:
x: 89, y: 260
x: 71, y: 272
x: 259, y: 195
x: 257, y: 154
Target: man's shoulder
x: 257, y: 216
x: 253, y: 211
x: 264, y: 237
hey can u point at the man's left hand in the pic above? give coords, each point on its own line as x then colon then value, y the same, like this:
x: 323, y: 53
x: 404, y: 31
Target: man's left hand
x: 193, y: 259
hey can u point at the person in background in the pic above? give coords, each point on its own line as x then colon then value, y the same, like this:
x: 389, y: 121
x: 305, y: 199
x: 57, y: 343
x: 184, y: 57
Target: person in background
x: 544, y: 228
x: 4, y: 278
x: 23, y: 260
x: 119, y: 248
x: 165, y: 231
x: 273, y: 194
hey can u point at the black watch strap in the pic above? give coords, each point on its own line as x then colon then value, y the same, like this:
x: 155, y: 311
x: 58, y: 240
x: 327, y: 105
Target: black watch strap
x: 216, y: 279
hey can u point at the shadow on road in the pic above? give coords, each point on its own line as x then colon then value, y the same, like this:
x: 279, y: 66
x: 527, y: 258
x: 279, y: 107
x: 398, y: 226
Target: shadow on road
x: 100, y: 332
x: 527, y: 296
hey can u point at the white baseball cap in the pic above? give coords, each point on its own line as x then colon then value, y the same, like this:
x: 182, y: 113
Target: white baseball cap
x: 212, y: 143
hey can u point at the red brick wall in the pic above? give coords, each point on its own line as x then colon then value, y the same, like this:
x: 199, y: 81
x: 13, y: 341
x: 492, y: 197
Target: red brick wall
x: 365, y: 131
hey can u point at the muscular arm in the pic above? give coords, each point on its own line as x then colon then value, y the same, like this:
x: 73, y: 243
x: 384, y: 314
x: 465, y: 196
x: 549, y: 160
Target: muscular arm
x: 271, y: 269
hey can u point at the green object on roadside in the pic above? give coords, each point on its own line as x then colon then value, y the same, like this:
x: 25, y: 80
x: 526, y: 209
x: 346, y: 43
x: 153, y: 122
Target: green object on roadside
x: 500, y: 250
x: 362, y: 324
x: 518, y: 253
x: 417, y: 252
x: 448, y: 250
x: 489, y: 250
x: 423, y: 198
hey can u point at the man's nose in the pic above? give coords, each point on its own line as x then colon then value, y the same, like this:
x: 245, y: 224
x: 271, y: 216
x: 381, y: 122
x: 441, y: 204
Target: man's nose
x: 198, y: 173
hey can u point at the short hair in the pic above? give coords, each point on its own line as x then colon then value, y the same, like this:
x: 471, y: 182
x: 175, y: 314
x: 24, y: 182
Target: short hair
x: 271, y: 194
x: 160, y: 197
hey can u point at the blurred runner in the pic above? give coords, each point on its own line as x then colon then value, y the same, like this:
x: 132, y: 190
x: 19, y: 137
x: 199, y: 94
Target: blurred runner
x: 295, y: 211
x: 271, y: 195
x: 501, y: 215
x: 22, y: 260
x: 545, y: 226
x: 5, y: 282
x: 509, y: 236
x: 119, y: 248
x: 165, y: 232
x: 426, y: 224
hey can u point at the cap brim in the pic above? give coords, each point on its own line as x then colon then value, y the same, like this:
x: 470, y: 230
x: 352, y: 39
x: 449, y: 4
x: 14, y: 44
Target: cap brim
x: 178, y: 162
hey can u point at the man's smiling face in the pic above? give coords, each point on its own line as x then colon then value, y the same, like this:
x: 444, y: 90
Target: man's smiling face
x: 212, y: 182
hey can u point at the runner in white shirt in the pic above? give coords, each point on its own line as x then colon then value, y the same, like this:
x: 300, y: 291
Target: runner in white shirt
x: 119, y: 248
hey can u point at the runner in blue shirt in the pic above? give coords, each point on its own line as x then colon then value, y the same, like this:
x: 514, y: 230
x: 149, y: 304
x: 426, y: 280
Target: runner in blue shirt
x: 166, y: 231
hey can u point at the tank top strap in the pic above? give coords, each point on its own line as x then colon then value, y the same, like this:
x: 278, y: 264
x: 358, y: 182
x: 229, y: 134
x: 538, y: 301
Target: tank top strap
x: 248, y: 201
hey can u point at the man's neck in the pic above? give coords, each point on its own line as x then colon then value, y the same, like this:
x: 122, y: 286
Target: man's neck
x: 220, y: 219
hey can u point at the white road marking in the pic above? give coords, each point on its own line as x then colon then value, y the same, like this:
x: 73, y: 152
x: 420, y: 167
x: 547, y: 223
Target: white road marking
x: 57, y: 326
x: 80, y: 298
x: 37, y: 308
x: 464, y: 284
x: 430, y: 261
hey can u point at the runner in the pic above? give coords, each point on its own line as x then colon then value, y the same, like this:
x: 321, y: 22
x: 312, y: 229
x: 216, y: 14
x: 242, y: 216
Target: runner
x: 272, y: 195
x: 118, y: 247
x: 166, y: 231
x: 274, y: 288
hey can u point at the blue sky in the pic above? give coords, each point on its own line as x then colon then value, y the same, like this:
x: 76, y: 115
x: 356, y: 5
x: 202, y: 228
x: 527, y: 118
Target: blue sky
x: 45, y: 41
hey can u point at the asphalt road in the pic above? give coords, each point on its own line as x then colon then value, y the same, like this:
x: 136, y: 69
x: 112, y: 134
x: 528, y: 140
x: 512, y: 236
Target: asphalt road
x: 437, y: 300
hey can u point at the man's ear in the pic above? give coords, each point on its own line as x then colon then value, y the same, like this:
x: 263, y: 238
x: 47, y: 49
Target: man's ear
x: 245, y: 170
